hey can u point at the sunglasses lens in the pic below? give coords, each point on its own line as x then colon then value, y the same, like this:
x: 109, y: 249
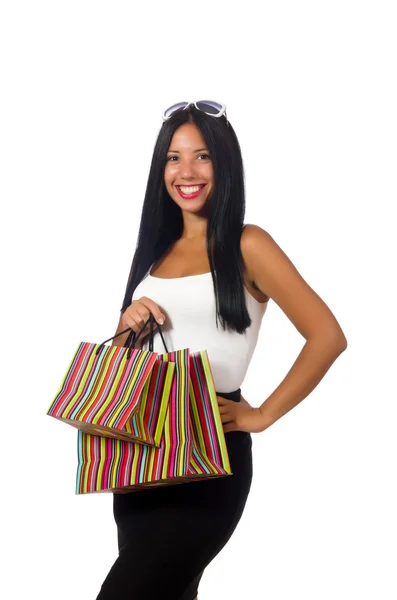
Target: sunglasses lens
x: 175, y: 107
x: 208, y: 106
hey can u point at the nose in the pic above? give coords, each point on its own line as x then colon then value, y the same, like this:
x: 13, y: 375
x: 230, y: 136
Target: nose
x: 186, y: 170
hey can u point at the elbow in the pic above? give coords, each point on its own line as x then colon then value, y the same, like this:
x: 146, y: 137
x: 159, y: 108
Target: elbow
x: 338, y: 343
x: 340, y: 340
x: 336, y: 338
x: 335, y: 342
x: 342, y: 345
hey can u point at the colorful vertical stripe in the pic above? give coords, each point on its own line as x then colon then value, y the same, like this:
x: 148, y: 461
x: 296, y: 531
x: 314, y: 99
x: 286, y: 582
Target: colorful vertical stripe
x: 110, y: 395
x: 192, y: 444
x: 209, y: 444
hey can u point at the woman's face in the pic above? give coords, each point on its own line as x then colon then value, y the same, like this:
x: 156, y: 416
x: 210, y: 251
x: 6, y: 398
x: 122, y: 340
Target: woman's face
x: 188, y: 174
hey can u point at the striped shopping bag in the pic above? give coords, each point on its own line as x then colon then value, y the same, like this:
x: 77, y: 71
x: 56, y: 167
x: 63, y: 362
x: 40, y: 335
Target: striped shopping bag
x: 116, y: 391
x: 192, y: 447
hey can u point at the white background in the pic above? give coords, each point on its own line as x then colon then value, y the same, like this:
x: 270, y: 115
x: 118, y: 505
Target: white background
x: 311, y: 92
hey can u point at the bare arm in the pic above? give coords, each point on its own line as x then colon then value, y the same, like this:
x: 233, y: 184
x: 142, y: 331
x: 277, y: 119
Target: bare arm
x: 277, y: 277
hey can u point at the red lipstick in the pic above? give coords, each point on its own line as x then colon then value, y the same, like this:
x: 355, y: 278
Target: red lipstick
x: 190, y: 196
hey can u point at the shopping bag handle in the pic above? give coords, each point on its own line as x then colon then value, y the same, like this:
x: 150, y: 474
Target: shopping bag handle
x: 133, y: 338
x: 136, y: 337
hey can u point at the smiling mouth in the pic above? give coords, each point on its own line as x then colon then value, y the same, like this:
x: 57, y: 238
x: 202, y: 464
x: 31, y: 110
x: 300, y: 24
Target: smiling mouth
x: 190, y: 191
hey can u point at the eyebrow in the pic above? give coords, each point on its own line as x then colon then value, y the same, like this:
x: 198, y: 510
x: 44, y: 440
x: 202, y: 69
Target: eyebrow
x: 198, y: 150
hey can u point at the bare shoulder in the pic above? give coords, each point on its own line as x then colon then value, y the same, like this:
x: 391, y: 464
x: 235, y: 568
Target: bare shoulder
x: 274, y: 273
x: 252, y: 239
x: 256, y: 243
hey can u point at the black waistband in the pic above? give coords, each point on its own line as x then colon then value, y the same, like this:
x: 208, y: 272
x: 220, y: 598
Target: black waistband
x: 235, y: 396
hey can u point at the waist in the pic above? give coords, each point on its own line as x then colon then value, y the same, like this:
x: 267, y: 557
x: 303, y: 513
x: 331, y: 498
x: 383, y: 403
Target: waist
x: 235, y: 395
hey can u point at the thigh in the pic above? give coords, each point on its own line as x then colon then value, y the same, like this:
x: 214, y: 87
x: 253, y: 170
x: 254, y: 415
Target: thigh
x: 168, y: 535
x: 191, y: 591
x: 162, y: 557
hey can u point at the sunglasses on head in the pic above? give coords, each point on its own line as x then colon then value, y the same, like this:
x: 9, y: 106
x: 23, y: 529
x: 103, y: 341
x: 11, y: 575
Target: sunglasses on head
x: 214, y: 109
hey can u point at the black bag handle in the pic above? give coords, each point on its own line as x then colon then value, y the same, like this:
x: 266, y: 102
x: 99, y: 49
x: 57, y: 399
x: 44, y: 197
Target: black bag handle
x: 133, y: 338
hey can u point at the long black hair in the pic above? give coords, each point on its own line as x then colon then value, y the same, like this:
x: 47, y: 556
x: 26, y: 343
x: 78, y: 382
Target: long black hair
x: 162, y: 223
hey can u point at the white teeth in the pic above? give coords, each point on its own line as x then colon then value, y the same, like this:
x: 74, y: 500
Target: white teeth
x: 191, y: 189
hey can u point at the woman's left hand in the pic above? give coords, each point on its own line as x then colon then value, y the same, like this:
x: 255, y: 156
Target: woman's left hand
x: 240, y: 416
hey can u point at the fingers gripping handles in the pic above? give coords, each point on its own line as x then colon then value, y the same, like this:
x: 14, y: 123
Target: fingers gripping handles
x: 133, y: 338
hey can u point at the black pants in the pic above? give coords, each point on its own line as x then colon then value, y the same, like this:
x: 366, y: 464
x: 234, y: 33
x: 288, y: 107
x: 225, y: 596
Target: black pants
x: 168, y: 535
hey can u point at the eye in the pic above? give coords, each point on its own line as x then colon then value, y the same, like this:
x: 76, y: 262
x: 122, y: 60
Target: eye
x: 169, y: 159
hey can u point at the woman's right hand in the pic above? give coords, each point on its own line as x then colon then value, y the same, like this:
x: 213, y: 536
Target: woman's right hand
x: 138, y: 312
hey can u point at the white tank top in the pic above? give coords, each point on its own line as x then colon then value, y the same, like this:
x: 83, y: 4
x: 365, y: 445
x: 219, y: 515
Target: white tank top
x: 189, y: 306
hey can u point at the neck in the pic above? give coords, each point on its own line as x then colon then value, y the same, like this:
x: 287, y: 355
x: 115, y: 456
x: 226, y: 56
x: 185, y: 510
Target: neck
x: 194, y: 226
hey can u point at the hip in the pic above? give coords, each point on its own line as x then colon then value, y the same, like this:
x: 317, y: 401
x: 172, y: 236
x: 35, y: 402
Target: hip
x: 223, y: 489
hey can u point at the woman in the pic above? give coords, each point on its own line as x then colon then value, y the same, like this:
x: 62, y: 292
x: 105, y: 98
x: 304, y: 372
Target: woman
x: 196, y: 262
